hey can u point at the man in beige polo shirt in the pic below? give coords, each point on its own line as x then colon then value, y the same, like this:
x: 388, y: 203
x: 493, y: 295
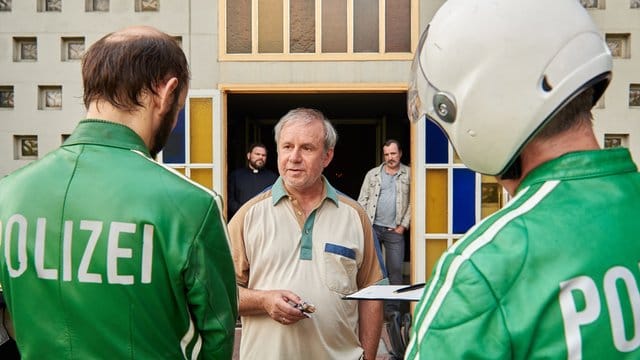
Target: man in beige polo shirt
x: 302, y: 241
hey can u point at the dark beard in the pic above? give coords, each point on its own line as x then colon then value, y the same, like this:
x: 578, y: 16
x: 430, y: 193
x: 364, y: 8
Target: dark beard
x: 256, y: 166
x: 166, y: 127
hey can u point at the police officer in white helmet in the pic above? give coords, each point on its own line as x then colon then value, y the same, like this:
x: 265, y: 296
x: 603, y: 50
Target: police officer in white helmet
x: 555, y: 273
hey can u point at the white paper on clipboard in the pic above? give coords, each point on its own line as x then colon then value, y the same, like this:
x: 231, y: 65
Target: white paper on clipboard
x: 387, y: 292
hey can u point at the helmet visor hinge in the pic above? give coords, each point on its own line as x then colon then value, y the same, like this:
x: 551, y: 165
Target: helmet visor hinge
x: 444, y: 106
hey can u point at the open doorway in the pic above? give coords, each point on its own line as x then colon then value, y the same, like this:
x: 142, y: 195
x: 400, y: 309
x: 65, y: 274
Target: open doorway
x: 363, y: 122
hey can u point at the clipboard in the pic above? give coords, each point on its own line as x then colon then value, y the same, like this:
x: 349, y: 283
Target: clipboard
x: 388, y: 292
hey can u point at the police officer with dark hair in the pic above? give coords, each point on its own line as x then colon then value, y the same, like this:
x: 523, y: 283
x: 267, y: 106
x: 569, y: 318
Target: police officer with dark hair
x: 104, y: 251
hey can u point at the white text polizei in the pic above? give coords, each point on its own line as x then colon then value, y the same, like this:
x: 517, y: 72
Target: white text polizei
x: 16, y: 230
x: 578, y: 314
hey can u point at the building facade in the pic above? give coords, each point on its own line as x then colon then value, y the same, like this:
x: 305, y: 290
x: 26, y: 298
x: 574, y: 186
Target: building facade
x: 252, y: 60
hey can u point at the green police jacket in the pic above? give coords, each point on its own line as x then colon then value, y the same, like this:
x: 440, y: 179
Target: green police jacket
x: 104, y: 253
x: 553, y: 275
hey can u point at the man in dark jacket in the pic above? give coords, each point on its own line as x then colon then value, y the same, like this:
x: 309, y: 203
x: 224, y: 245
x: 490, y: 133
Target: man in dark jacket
x: 247, y: 182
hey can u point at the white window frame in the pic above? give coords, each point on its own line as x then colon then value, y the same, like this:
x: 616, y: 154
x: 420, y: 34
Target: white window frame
x: 216, y: 136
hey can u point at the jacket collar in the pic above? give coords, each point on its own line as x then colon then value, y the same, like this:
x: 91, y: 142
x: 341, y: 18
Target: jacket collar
x: 582, y: 164
x: 106, y: 133
x: 402, y: 170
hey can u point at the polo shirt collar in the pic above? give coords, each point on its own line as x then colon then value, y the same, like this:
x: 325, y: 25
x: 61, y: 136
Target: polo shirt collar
x: 278, y: 191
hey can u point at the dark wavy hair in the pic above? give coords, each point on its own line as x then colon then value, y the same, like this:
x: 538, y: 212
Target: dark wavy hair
x: 392, y: 141
x: 121, y: 67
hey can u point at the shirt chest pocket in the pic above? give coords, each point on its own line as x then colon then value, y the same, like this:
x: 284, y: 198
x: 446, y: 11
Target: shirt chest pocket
x: 340, y: 268
x: 405, y: 183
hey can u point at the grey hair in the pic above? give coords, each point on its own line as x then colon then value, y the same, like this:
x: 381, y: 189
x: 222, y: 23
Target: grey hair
x: 306, y: 116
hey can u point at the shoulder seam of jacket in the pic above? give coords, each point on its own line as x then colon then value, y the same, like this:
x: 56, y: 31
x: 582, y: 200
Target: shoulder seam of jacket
x: 485, y: 238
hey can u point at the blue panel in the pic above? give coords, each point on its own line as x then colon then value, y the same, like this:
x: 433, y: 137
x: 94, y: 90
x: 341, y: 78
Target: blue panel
x: 464, y: 200
x: 437, y: 146
x: 174, y: 150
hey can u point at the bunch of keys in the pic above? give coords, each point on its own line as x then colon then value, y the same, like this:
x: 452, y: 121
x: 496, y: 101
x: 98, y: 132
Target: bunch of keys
x: 305, y: 307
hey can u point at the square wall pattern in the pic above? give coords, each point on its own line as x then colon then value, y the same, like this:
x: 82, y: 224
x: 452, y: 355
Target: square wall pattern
x: 25, y: 147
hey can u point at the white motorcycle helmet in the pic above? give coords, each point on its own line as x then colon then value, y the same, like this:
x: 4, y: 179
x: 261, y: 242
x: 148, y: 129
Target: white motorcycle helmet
x: 490, y: 73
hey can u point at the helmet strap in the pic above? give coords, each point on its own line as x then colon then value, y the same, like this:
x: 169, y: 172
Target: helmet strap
x: 514, y: 171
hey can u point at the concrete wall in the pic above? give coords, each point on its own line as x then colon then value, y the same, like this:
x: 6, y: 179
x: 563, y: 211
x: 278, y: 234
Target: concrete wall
x: 616, y: 117
x: 49, y: 27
